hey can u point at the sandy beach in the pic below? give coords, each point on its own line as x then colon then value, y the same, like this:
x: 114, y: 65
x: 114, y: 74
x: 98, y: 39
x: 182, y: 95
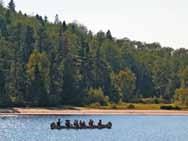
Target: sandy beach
x: 84, y: 111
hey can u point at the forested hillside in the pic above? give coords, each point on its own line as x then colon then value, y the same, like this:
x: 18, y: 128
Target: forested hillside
x: 52, y: 64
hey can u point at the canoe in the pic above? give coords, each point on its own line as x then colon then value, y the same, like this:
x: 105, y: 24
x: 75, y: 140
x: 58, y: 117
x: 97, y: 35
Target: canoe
x: 104, y: 126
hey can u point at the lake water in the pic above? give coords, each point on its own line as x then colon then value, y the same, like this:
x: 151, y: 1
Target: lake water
x: 125, y: 128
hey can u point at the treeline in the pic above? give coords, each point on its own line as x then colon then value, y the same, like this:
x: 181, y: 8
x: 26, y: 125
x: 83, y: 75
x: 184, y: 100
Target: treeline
x: 52, y: 64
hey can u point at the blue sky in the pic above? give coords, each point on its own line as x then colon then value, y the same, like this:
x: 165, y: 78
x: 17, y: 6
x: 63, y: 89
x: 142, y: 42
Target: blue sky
x: 164, y: 21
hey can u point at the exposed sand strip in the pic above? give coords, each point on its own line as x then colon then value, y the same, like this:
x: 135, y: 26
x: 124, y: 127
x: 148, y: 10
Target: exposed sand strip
x: 83, y: 111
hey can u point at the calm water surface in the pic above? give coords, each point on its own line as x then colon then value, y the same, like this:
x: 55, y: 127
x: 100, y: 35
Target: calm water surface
x: 125, y: 128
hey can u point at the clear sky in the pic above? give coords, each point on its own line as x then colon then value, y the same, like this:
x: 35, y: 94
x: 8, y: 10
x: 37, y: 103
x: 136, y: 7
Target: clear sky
x: 164, y: 21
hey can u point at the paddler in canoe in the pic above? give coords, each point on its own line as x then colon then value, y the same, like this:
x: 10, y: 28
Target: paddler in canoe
x: 80, y: 125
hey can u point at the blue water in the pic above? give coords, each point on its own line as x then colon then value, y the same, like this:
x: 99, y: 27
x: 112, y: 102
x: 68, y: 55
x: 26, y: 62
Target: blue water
x: 125, y: 128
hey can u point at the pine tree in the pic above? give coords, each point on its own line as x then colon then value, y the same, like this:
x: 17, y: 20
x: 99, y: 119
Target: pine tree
x: 17, y: 81
x: 56, y: 70
x: 38, y: 90
x: 3, y: 27
x: 45, y: 19
x: 109, y: 35
x: 8, y: 16
x: 4, y: 99
x: 28, y: 43
x: 57, y: 21
x: 64, y: 26
x: 11, y: 6
x: 42, y: 42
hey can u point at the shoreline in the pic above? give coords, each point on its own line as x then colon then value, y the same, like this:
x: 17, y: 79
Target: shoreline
x: 84, y: 111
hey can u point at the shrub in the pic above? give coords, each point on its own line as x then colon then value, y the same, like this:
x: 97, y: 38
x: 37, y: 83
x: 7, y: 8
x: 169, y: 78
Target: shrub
x: 131, y: 106
x: 114, y: 106
x: 96, y: 96
x: 169, y: 107
x: 181, y: 96
x: 95, y: 105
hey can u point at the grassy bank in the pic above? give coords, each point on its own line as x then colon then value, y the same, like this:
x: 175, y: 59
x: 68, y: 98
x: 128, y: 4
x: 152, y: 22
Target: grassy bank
x: 139, y: 106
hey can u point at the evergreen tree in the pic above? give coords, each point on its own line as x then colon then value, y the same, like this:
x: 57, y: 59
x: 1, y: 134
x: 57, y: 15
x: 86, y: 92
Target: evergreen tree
x: 38, y: 90
x: 4, y: 98
x: 17, y: 81
x: 64, y: 26
x: 109, y: 35
x: 3, y: 27
x: 29, y: 41
x: 42, y: 63
x: 45, y: 19
x: 42, y: 41
x: 57, y: 70
x: 11, y: 6
x: 8, y: 16
x: 57, y: 21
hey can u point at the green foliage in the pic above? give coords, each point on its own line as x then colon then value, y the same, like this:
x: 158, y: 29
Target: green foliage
x: 3, y: 28
x: 152, y: 100
x: 169, y: 107
x: 40, y: 60
x: 131, y: 106
x: 96, y: 96
x: 38, y: 89
x: 181, y: 96
x: 124, y: 82
x: 184, y: 77
x: 4, y: 98
x: 109, y: 35
x: 46, y: 64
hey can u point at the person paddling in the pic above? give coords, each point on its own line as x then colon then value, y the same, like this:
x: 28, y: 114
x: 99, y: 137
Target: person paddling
x: 67, y: 123
x: 91, y: 122
x: 100, y: 123
x: 76, y: 124
x: 59, y: 122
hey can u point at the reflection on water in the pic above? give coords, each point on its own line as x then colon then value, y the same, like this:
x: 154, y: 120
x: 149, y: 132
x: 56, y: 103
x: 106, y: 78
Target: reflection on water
x: 125, y: 128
